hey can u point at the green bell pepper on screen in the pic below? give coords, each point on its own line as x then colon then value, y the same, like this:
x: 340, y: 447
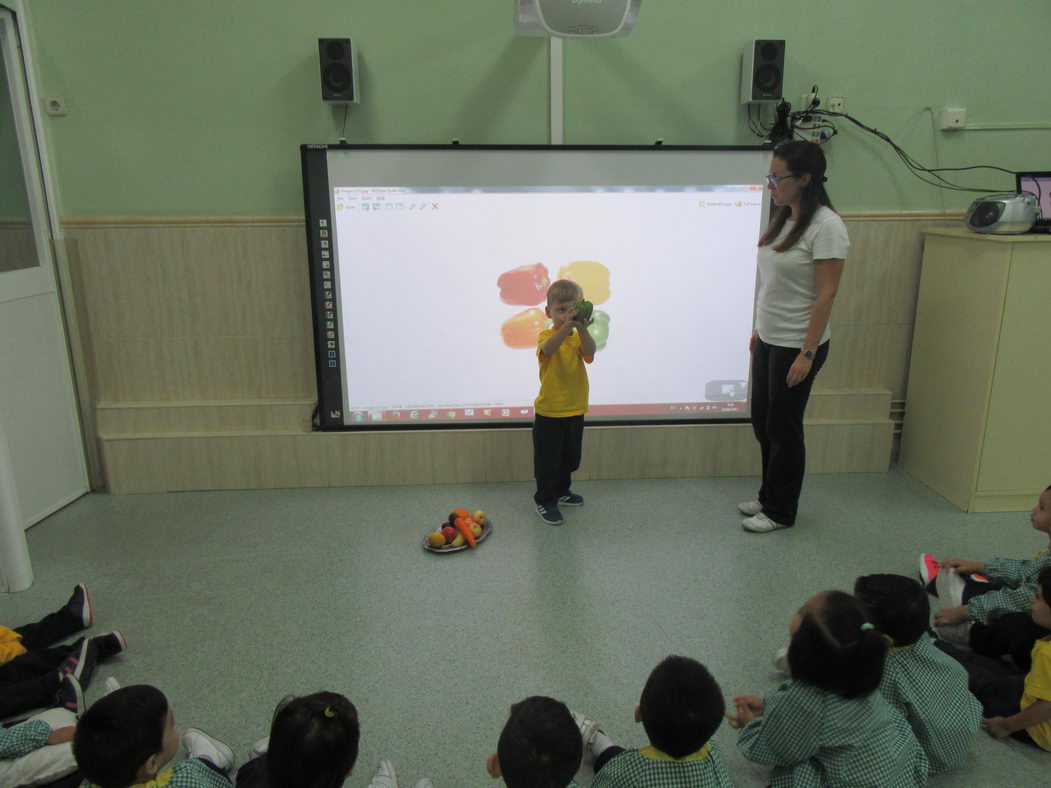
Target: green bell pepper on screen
x: 599, y: 330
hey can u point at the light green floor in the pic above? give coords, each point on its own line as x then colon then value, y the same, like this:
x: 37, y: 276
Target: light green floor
x: 231, y: 600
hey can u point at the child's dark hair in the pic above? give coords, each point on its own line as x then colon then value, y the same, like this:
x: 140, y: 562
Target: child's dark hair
x: 898, y: 606
x: 681, y: 706
x: 836, y: 647
x: 313, y: 741
x: 119, y: 733
x: 540, y: 745
x: 1043, y: 582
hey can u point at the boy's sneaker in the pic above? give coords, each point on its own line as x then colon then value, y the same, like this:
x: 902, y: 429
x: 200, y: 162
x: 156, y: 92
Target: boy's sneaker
x: 111, y: 685
x: 571, y: 499
x: 780, y: 660
x: 260, y: 747
x: 385, y: 776
x: 594, y: 739
x: 199, y: 744
x: 79, y: 605
x: 80, y: 664
x: 928, y: 568
x: 110, y: 644
x: 549, y: 514
x: 70, y: 696
x: 761, y: 524
x: 750, y: 508
x: 949, y: 586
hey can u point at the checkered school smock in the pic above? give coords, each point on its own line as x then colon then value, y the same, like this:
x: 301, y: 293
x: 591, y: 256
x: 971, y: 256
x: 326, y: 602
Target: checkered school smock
x: 929, y: 689
x: 191, y: 773
x: 816, y: 739
x: 1018, y: 578
x: 19, y: 740
x: 651, y: 768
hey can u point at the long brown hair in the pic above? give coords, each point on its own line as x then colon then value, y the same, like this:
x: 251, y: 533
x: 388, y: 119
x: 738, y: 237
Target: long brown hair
x: 802, y: 158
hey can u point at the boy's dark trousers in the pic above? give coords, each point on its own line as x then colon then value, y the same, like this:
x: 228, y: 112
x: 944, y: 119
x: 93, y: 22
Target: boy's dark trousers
x: 30, y: 680
x: 556, y: 455
x: 777, y: 421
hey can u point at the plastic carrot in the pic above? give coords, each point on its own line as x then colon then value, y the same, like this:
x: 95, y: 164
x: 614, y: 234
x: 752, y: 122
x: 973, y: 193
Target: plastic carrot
x: 465, y: 529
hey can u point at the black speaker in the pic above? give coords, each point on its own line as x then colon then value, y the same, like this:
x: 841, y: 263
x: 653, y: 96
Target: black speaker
x: 339, y: 70
x: 762, y: 71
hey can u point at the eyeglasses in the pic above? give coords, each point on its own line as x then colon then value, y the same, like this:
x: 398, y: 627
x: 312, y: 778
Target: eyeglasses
x: 774, y: 180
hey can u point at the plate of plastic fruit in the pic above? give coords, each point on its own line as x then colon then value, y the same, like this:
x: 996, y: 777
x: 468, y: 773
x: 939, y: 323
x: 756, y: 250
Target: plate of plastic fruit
x: 486, y: 530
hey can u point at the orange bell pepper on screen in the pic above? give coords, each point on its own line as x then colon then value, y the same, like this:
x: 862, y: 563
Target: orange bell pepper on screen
x: 522, y: 330
x: 592, y: 277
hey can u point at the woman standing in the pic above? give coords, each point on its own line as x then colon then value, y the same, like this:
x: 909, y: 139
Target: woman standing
x: 801, y: 257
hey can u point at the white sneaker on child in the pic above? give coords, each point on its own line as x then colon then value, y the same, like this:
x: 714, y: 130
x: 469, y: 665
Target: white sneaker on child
x: 385, y: 776
x: 260, y: 747
x: 750, y: 508
x: 199, y: 744
x: 780, y: 659
x: 949, y: 586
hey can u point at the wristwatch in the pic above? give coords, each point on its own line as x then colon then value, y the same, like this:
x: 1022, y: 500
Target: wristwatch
x: 809, y: 354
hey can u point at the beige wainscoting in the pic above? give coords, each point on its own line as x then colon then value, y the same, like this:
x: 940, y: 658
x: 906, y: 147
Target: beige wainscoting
x: 198, y: 348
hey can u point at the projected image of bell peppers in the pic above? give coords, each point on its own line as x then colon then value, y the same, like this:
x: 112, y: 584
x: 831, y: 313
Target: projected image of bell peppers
x: 599, y: 329
x: 524, y: 286
x: 522, y: 330
x: 592, y: 277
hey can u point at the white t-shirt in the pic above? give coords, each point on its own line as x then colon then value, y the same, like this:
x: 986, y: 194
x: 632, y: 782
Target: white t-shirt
x: 788, y: 280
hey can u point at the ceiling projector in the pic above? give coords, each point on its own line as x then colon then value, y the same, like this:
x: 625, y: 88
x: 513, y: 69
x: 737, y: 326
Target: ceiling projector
x: 1007, y: 213
x: 576, y: 18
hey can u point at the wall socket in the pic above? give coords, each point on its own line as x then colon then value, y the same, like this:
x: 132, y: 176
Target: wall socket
x: 836, y: 104
x: 953, y: 118
x: 806, y: 101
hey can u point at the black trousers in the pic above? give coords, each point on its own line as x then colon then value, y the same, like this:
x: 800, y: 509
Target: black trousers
x: 556, y: 454
x: 777, y: 421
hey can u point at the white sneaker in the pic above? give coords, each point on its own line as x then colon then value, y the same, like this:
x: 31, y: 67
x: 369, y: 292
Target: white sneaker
x: 385, y: 776
x: 111, y: 685
x: 957, y: 634
x: 949, y: 586
x: 199, y: 744
x: 761, y: 524
x: 260, y: 747
x: 750, y: 508
x: 780, y: 660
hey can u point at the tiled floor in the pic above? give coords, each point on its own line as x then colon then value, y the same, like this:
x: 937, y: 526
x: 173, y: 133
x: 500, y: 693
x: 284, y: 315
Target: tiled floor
x: 232, y: 600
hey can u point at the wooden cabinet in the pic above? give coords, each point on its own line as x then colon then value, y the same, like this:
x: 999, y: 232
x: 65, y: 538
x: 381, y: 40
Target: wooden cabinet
x: 977, y: 424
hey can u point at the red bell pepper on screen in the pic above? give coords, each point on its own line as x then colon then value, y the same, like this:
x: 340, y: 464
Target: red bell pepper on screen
x: 525, y: 285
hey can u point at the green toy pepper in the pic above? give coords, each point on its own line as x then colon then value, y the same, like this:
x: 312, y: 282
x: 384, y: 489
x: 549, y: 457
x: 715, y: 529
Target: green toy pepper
x: 599, y: 330
x: 584, y: 309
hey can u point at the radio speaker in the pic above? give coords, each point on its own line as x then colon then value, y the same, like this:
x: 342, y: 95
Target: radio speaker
x: 762, y: 71
x: 339, y: 70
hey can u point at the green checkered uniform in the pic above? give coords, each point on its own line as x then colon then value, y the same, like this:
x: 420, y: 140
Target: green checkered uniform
x: 1018, y: 578
x: 929, y: 688
x: 191, y: 773
x: 816, y: 739
x: 19, y: 740
x: 648, y: 768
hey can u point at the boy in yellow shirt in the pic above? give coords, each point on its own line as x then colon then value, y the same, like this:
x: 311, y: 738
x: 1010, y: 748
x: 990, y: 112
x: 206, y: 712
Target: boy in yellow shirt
x: 558, y: 427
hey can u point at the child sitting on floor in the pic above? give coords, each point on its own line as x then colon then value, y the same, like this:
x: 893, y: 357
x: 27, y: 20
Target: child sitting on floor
x: 993, y: 618
x: 1016, y: 705
x: 129, y: 736
x: 827, y: 725
x: 681, y: 708
x: 924, y: 684
x: 313, y: 742
x: 38, y: 751
x: 539, y: 747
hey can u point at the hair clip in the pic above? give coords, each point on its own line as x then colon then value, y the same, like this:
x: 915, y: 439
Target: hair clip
x: 866, y: 627
x: 330, y: 714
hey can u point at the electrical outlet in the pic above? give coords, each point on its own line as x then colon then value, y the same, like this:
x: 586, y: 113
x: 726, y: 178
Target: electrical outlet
x: 807, y: 101
x: 953, y: 118
x: 836, y: 104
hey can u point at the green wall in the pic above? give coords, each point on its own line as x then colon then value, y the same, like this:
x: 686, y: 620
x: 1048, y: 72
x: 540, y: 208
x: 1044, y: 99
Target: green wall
x: 198, y: 108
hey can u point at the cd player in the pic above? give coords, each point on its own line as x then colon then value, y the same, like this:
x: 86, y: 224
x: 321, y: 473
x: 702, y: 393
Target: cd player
x: 1006, y: 213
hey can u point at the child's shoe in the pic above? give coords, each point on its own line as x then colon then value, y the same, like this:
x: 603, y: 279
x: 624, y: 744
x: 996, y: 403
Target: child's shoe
x: 80, y: 664
x: 111, y: 685
x: 199, y: 744
x: 928, y: 568
x: 70, y: 696
x: 750, y: 508
x: 761, y: 524
x: 594, y: 738
x: 79, y: 605
x: 110, y: 644
x: 260, y: 747
x: 780, y: 660
x: 949, y: 586
x: 571, y: 499
x: 385, y: 776
x: 549, y: 514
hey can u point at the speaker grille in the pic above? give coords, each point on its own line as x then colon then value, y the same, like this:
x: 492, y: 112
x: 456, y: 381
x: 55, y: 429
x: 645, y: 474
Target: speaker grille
x: 987, y: 213
x: 767, y: 78
x: 336, y: 77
